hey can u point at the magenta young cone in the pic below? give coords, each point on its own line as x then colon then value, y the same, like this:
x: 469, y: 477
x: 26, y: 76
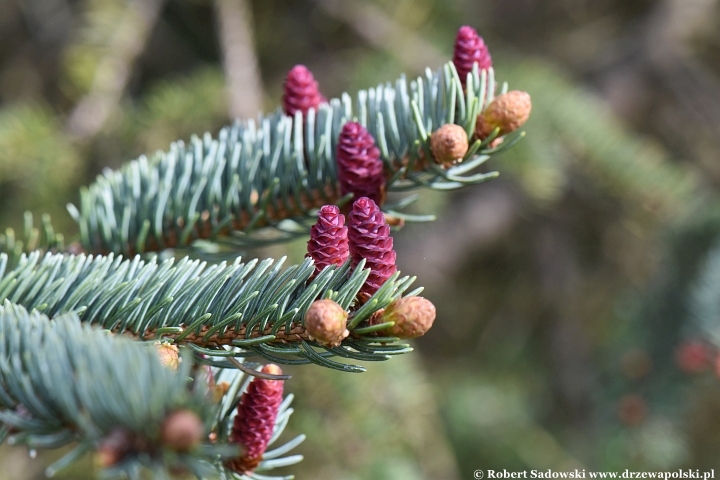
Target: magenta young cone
x: 370, y: 239
x: 360, y: 169
x: 300, y: 91
x: 255, y: 420
x: 470, y: 48
x: 328, y: 244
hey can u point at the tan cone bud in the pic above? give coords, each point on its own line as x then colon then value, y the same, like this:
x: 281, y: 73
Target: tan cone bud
x: 326, y: 323
x: 169, y: 355
x: 182, y: 430
x: 113, y: 448
x: 449, y: 144
x: 413, y: 317
x: 219, y: 391
x: 508, y: 112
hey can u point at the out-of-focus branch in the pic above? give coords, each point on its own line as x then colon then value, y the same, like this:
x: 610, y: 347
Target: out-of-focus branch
x: 50, y: 20
x: 476, y: 221
x: 671, y: 29
x: 381, y: 31
x: 234, y: 18
x: 113, y: 72
x: 663, y: 54
x: 673, y: 25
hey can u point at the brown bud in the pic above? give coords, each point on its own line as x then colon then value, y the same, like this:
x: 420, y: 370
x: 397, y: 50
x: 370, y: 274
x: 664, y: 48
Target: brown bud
x: 273, y: 369
x: 182, y: 430
x: 219, y: 391
x: 326, y: 322
x: 508, y: 112
x: 113, y: 448
x: 413, y: 317
x: 394, y: 221
x: 168, y: 355
x: 449, y: 144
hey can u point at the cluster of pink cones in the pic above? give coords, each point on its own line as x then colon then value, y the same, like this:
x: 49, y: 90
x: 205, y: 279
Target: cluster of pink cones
x: 366, y: 236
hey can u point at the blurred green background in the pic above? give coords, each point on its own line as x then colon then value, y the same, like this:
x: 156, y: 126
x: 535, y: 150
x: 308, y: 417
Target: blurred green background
x: 567, y: 290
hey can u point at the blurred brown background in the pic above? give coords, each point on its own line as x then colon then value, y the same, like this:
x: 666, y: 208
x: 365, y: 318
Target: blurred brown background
x: 563, y: 288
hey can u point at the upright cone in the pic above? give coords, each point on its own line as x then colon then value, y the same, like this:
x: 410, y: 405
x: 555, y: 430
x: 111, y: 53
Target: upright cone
x: 370, y: 239
x: 255, y: 420
x: 300, y: 91
x: 470, y: 48
x: 360, y: 169
x: 328, y: 244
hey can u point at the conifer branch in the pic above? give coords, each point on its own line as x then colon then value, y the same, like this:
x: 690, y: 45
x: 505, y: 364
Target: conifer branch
x: 63, y: 382
x: 65, y: 367
x: 114, y: 69
x: 32, y: 238
x: 253, y: 309
x: 274, y: 172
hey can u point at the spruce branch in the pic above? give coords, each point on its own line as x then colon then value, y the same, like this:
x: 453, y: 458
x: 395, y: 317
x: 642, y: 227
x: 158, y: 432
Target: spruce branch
x: 63, y: 382
x: 277, y: 170
x: 113, y: 72
x: 32, y: 238
x: 223, y: 310
x: 100, y: 322
x: 68, y: 385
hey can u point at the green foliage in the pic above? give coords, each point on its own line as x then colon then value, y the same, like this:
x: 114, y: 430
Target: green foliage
x: 225, y: 191
x: 176, y: 108
x: 243, y: 305
x: 276, y: 171
x: 256, y: 183
x: 91, y: 43
x: 32, y: 145
x: 62, y: 381
x: 31, y: 239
